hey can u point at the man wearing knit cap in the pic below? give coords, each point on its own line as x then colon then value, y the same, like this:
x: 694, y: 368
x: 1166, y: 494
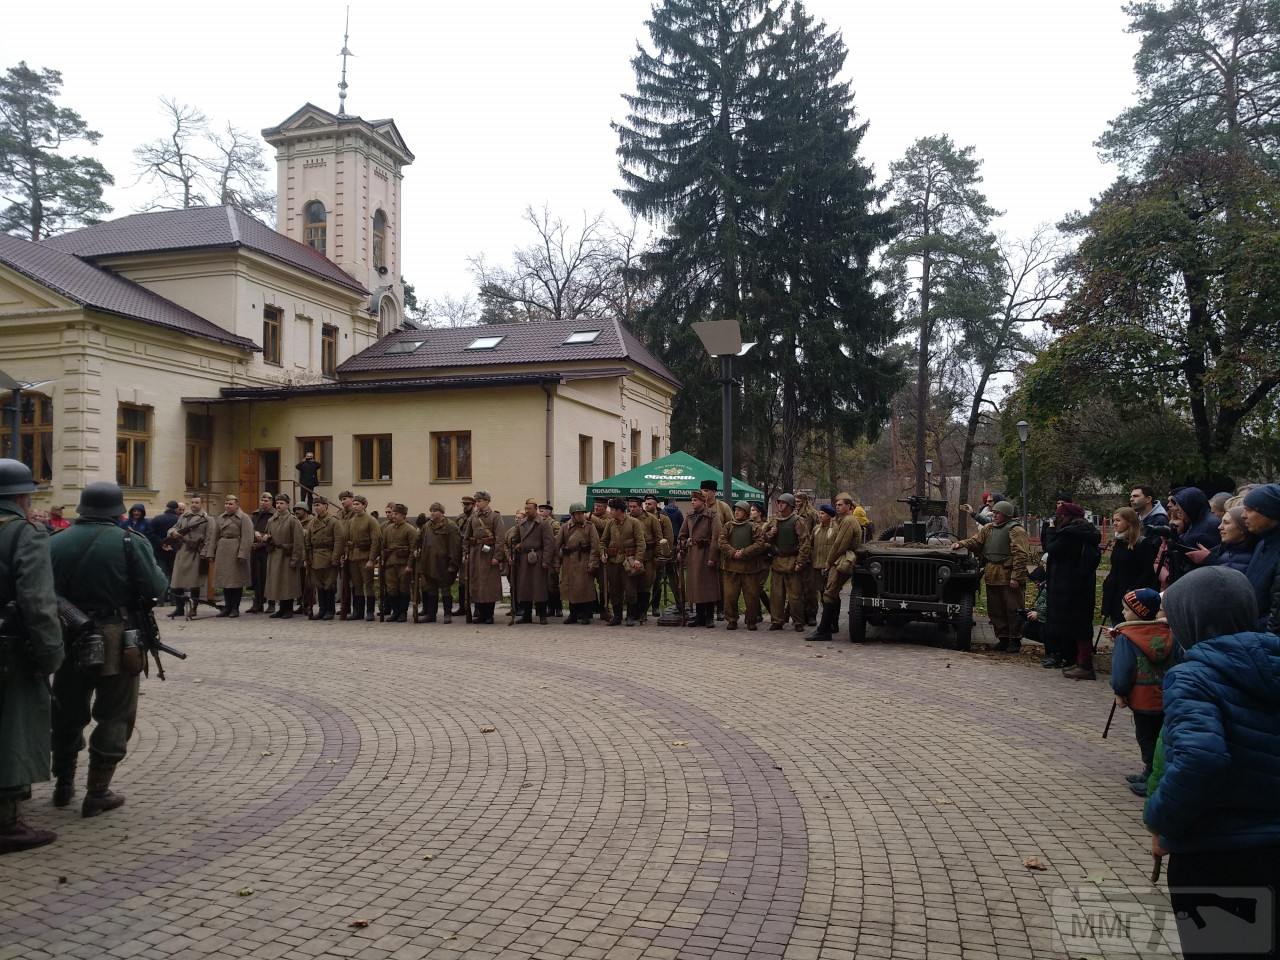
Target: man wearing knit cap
x: 1005, y: 552
x: 1262, y: 519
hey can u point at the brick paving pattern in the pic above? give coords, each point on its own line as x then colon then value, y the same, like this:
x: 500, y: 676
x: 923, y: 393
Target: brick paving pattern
x: 649, y: 792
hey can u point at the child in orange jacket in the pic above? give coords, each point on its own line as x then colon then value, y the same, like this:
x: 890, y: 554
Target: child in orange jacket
x: 1143, y: 652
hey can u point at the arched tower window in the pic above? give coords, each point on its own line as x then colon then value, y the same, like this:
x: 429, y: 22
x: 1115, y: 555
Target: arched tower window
x: 388, y: 316
x: 315, y: 226
x: 379, y: 240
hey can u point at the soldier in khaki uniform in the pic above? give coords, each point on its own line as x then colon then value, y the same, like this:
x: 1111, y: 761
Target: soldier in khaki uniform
x: 364, y: 544
x: 439, y: 558
x: 741, y: 545
x: 302, y: 513
x: 823, y: 537
x: 530, y: 552
x: 285, y: 539
x: 230, y: 546
x: 846, y: 538
x: 188, y: 537
x: 464, y: 601
x: 622, y: 550
x: 578, y: 557
x: 600, y: 520
x: 792, y: 544
x: 664, y: 552
x: 1006, y: 554
x: 652, y: 534
x: 555, y: 605
x: 481, y: 553
x: 399, y: 542
x: 699, y: 550
x: 809, y: 586
x: 326, y: 544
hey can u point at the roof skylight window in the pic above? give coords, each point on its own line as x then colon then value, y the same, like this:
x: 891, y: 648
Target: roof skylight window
x: 485, y: 343
x: 403, y: 346
x: 581, y: 336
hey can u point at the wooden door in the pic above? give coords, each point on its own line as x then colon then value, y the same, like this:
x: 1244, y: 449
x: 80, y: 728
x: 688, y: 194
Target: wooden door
x: 248, y: 479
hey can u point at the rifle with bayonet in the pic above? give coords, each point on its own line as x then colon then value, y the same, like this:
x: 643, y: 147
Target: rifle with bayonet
x: 142, y: 615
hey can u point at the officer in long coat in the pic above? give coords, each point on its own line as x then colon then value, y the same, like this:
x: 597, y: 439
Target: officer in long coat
x: 464, y: 602
x: 578, y: 557
x: 530, y: 554
x: 230, y: 548
x: 847, y: 537
x: 652, y: 528
x: 622, y: 550
x: 439, y: 559
x: 791, y: 540
x: 600, y: 520
x: 26, y: 580
x: 258, y: 561
x: 399, y: 544
x: 741, y: 544
x: 92, y: 570
x: 188, y: 536
x: 364, y: 546
x: 326, y: 543
x: 482, y: 551
x: 699, y: 539
x: 555, y: 604
x: 285, y: 561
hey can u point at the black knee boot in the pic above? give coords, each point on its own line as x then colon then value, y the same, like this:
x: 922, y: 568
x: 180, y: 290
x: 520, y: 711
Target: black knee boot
x: 542, y: 611
x: 526, y: 611
x: 370, y: 608
x: 826, y: 625
x: 642, y: 606
x: 431, y: 606
x: 286, y: 610
x: 179, y: 604
x: 357, y: 608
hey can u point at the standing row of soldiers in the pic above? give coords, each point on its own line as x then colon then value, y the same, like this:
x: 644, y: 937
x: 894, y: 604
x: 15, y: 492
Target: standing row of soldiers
x: 614, y: 562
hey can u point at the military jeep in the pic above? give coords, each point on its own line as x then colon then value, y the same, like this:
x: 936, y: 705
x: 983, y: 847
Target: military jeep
x: 914, y: 578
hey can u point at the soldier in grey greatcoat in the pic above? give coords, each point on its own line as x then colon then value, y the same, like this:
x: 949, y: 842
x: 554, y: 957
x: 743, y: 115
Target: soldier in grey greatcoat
x: 230, y: 547
x: 188, y: 537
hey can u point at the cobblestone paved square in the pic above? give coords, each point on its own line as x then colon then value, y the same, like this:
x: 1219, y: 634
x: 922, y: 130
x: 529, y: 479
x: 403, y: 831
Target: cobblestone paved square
x: 301, y: 790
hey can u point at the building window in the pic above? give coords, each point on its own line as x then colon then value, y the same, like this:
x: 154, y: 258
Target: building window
x: 635, y: 449
x: 655, y: 448
x: 608, y: 460
x: 315, y: 226
x: 322, y: 449
x: 584, y: 459
x: 133, y: 444
x: 485, y: 343
x: 451, y: 456
x: 373, y: 457
x: 35, y: 436
x: 199, y: 451
x: 271, y: 335
x: 581, y: 336
x: 379, y: 240
x: 329, y: 350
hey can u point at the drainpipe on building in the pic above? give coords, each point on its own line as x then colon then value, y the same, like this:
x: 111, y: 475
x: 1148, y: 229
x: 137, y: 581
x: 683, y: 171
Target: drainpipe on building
x: 551, y: 436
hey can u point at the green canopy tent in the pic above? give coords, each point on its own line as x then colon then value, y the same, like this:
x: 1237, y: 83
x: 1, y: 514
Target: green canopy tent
x: 676, y: 475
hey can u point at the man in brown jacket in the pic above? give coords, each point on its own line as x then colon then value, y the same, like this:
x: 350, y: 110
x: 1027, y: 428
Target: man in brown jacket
x: 741, y: 545
x: 439, y: 558
x: 399, y: 541
x: 652, y: 527
x: 364, y: 546
x: 326, y: 543
x: 622, y: 550
x: 600, y: 520
x: 481, y: 548
x: 846, y: 539
x: 578, y: 556
x: 284, y: 539
x: 530, y: 553
x: 792, y: 543
x: 229, y: 546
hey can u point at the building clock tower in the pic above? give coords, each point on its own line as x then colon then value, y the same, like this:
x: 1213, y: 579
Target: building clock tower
x: 338, y: 191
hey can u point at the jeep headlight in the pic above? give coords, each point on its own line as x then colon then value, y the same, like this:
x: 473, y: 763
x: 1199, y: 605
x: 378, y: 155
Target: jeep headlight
x: 944, y: 572
x: 876, y: 568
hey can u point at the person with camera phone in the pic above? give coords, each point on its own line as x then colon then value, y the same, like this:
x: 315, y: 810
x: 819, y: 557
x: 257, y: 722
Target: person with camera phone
x: 110, y: 575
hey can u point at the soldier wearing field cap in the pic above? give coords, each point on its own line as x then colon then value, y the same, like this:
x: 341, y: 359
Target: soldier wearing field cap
x: 792, y: 543
x: 622, y: 551
x: 555, y: 603
x: 578, y: 556
x: 806, y: 510
x: 741, y: 544
x: 399, y: 542
x: 599, y: 519
x: 482, y: 548
x: 439, y: 559
x: 326, y: 543
x: 845, y: 539
x: 364, y: 546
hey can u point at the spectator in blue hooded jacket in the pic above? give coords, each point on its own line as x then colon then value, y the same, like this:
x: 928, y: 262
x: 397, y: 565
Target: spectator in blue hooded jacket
x: 1262, y: 519
x: 1199, y: 523
x: 1212, y: 798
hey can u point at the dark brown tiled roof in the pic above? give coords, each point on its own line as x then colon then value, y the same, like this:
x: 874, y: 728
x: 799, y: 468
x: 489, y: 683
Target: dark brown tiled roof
x: 403, y: 385
x: 102, y: 290
x: 197, y: 228
x: 533, y: 342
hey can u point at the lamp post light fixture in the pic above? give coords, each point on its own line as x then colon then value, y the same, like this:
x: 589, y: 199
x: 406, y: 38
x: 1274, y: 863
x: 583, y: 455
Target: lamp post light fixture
x: 723, y: 340
x: 928, y: 473
x: 1024, y: 432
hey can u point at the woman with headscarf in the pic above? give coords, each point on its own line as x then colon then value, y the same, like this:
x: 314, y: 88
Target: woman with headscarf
x: 1072, y: 584
x: 1212, y: 796
x: 1133, y: 559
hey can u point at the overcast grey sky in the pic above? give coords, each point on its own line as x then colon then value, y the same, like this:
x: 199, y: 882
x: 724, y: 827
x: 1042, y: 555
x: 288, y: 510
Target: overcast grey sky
x: 508, y: 102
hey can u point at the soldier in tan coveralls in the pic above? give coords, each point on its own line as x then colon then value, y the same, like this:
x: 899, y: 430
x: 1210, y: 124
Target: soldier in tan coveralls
x: 326, y: 543
x: 845, y: 540
x: 622, y: 550
x: 364, y: 544
x: 399, y: 542
x: 1006, y: 553
x: 792, y: 544
x: 741, y: 546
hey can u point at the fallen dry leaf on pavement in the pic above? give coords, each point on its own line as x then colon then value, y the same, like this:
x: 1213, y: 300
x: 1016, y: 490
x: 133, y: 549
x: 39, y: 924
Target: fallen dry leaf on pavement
x: 488, y: 729
x: 429, y: 856
x: 679, y: 743
x: 266, y: 753
x: 245, y: 892
x: 1034, y: 863
x: 358, y: 922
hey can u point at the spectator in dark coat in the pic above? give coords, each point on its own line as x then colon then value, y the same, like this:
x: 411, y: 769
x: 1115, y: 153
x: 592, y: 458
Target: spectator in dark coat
x: 1262, y: 519
x: 1133, y: 557
x: 1235, y: 550
x: 160, y: 531
x: 673, y: 513
x: 1200, y: 526
x: 136, y: 520
x: 1212, y: 796
x: 308, y: 477
x: 1072, y: 563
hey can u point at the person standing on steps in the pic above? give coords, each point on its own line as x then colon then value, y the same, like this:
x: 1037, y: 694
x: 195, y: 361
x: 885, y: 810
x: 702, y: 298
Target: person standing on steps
x: 308, y: 478
x: 93, y: 571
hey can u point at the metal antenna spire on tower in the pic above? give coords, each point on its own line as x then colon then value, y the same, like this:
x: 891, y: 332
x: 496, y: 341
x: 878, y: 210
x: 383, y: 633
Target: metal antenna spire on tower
x: 344, y: 53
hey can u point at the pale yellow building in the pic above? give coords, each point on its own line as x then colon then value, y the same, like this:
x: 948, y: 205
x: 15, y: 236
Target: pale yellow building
x: 202, y: 351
